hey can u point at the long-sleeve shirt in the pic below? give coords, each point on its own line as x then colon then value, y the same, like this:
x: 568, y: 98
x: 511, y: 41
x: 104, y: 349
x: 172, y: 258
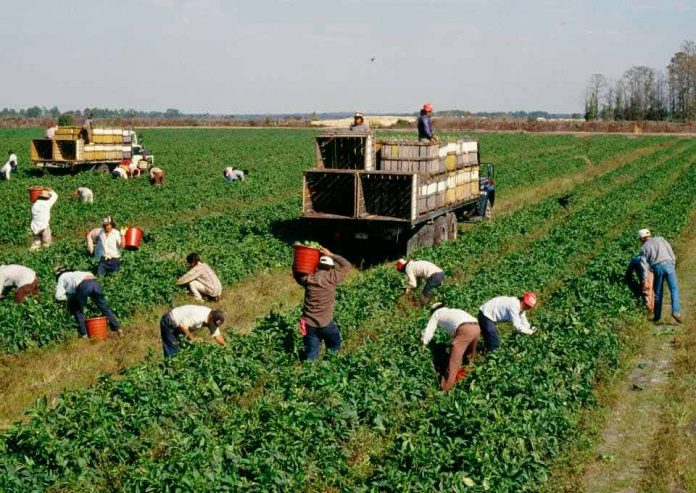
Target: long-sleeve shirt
x: 68, y: 283
x: 507, y: 309
x: 12, y: 159
x: 232, y: 174
x: 419, y: 269
x: 202, y: 273
x: 320, y: 292
x: 447, y: 319
x: 657, y: 250
x: 193, y: 317
x: 103, y: 244
x: 86, y: 195
x: 15, y: 275
x: 51, y: 132
x: 363, y: 127
x: 6, y: 170
x: 425, y: 127
x: 41, y: 213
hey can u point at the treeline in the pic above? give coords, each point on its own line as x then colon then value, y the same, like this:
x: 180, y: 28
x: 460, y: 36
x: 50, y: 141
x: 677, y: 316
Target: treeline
x: 646, y: 93
x: 54, y: 112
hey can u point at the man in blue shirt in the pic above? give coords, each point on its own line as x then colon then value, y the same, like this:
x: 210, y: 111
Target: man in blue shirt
x: 425, y: 124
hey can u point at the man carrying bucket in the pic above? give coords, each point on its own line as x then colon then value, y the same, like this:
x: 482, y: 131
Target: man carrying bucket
x: 108, y: 241
x: 184, y: 320
x: 41, y: 219
x: 77, y: 287
x: 317, y: 323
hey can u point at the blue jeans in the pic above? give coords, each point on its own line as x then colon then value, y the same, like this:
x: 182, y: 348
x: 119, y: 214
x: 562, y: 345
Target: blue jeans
x: 489, y: 332
x: 433, y: 281
x: 90, y: 288
x: 169, y: 334
x: 665, y: 271
x: 312, y: 340
x: 108, y: 266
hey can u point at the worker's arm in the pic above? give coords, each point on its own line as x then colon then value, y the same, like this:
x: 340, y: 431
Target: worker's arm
x: 60, y: 290
x: 185, y: 330
x: 53, y: 198
x: 220, y: 340
x: 429, y: 331
x: 91, y: 238
x: 412, y: 281
x: 191, y: 275
x: 122, y: 237
x: 520, y: 322
x: 671, y: 252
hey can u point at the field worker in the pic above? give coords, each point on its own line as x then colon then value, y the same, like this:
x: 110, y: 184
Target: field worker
x: 86, y: 131
x: 317, y: 323
x: 231, y: 174
x: 184, y: 320
x: 77, y: 287
x: 51, y: 131
x: 359, y: 124
x: 644, y: 288
x: 200, y: 279
x: 505, y: 309
x: 425, y: 124
x: 417, y: 270
x: 156, y: 176
x: 105, y: 245
x: 12, y: 159
x: 120, y: 173
x: 464, y: 331
x: 658, y: 253
x: 23, y: 279
x: 6, y: 171
x: 41, y: 219
x: 84, y: 194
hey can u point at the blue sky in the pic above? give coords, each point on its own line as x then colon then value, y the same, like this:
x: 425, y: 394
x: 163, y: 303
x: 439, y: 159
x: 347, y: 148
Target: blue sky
x: 268, y: 56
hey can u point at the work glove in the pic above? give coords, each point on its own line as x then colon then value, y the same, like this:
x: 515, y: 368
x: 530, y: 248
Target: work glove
x: 529, y: 331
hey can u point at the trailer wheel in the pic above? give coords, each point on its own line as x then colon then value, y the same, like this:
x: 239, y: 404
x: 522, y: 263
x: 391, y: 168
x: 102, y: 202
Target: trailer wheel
x: 441, y: 230
x: 452, y: 226
x: 421, y: 238
x: 102, y: 168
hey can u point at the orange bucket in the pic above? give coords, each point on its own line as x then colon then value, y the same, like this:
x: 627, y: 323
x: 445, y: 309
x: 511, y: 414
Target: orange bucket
x: 305, y: 259
x: 133, y: 239
x: 34, y: 193
x: 96, y: 328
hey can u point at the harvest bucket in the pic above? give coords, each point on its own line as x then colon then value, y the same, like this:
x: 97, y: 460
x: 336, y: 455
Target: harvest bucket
x: 305, y: 259
x: 34, y: 193
x: 96, y: 328
x: 133, y: 239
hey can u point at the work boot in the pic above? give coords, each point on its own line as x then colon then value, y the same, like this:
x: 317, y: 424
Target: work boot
x: 677, y: 317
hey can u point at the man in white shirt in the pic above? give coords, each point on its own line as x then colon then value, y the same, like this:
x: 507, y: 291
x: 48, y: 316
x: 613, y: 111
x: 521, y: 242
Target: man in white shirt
x: 464, y: 331
x: 105, y: 245
x: 505, y: 309
x: 41, y: 218
x: 231, y: 174
x: 51, y: 131
x: 23, y: 279
x: 186, y: 319
x: 417, y: 270
x: 84, y: 194
x: 5, y: 171
x: 12, y: 159
x: 76, y: 288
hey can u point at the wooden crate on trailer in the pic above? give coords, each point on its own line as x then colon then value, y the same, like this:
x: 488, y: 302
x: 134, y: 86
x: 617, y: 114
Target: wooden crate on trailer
x: 68, y: 150
x: 345, y: 150
x: 41, y: 150
x: 386, y: 195
x: 330, y: 192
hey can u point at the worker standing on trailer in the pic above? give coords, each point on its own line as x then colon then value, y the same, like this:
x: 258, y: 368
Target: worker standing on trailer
x: 646, y: 281
x: 231, y: 174
x: 417, y: 270
x: 425, y: 124
x: 200, y: 279
x: 359, y: 124
x: 84, y: 194
x: 41, y: 219
x: 658, y: 253
x: 505, y: 309
x: 105, y: 244
x: 156, y: 176
x: 464, y: 331
x: 317, y: 323
x: 185, y: 320
x: 51, y: 131
x: 23, y: 279
x: 77, y: 287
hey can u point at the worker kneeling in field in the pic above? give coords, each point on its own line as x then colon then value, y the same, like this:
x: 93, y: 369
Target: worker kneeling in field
x: 231, y: 174
x: 505, y: 309
x: 184, y: 320
x: 41, y: 219
x: 644, y: 287
x: 200, y: 279
x: 77, y: 287
x: 417, y: 270
x: 84, y: 195
x: 156, y: 176
x: 464, y: 331
x: 23, y: 279
x: 105, y: 244
x: 317, y: 323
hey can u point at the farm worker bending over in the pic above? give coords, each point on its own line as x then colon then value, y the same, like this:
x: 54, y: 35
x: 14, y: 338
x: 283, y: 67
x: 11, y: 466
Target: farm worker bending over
x: 12, y: 159
x: 184, y: 320
x: 41, y: 218
x: 76, y: 287
x: 505, y: 309
x: 120, y: 172
x: 658, y: 253
x: 317, y: 323
x: 105, y: 245
x: 359, y: 124
x: 51, y: 131
x: 22, y: 278
x: 232, y: 174
x: 465, y: 333
x: 84, y: 194
x: 645, y: 277
x: 200, y: 279
x: 5, y: 171
x: 416, y: 270
x: 425, y: 124
x: 156, y: 176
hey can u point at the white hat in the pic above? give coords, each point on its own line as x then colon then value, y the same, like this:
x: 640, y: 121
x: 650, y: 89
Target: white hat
x: 644, y: 233
x: 358, y: 115
x: 325, y: 260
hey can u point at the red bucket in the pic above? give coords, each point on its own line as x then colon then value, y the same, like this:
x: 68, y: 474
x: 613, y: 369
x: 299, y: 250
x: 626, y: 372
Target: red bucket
x: 133, y: 239
x: 305, y: 259
x: 96, y: 328
x: 34, y: 193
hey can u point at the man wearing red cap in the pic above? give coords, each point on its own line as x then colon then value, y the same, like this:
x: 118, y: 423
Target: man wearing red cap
x: 416, y: 270
x: 425, y: 124
x: 505, y: 309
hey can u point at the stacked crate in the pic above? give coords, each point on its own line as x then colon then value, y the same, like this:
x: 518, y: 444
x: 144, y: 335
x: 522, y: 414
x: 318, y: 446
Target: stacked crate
x: 410, y: 156
x: 108, y: 144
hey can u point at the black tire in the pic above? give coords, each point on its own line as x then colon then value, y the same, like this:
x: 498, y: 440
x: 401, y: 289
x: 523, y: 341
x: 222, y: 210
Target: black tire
x: 423, y: 237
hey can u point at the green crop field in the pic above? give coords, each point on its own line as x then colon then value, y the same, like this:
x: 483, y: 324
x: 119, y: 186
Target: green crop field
x: 252, y: 417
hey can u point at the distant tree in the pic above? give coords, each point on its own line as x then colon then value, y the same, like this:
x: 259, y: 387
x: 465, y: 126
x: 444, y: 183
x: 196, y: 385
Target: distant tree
x: 54, y: 112
x: 593, y: 93
x: 66, y: 120
x: 34, y: 112
x: 172, y: 113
